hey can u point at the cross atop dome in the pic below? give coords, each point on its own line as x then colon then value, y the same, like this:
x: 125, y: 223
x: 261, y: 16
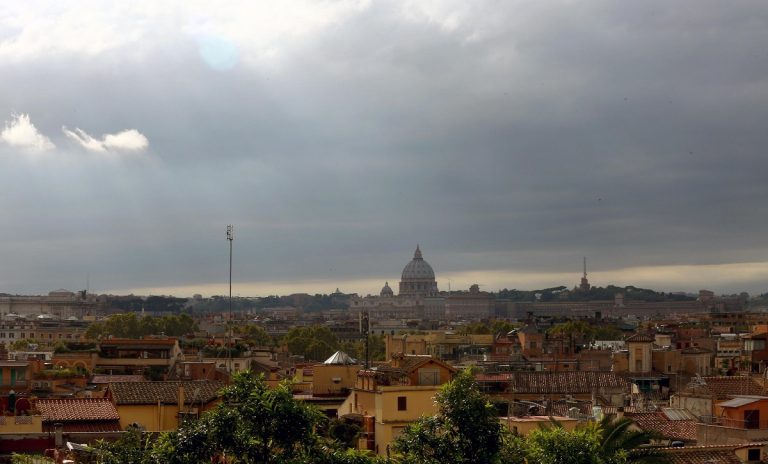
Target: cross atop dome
x: 417, y: 253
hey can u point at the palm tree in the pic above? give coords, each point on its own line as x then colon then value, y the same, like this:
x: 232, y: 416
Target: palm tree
x: 619, y: 443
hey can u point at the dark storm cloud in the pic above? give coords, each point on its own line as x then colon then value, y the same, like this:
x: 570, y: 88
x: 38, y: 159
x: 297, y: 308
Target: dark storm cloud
x: 500, y: 136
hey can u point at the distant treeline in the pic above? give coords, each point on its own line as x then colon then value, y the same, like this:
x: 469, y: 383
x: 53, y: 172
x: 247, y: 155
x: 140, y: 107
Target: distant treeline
x: 309, y: 303
x: 151, y: 304
x: 561, y: 293
x: 321, y: 302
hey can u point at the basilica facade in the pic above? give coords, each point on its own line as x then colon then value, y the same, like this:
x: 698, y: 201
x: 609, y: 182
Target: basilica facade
x: 416, y: 289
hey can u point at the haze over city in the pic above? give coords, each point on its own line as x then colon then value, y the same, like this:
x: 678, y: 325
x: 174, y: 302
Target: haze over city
x: 508, y: 139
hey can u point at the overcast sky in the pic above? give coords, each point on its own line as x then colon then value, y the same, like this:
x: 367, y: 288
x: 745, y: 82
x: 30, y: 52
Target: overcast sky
x: 508, y: 138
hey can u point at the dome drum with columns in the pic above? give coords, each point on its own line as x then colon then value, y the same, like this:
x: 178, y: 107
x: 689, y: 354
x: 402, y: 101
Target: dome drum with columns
x: 417, y: 283
x: 418, y: 278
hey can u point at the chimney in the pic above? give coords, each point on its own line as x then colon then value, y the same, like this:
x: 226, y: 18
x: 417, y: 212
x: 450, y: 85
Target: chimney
x: 181, y: 398
x: 58, y: 430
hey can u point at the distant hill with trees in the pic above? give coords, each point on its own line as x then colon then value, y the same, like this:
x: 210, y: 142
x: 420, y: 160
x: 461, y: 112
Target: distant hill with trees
x: 561, y: 293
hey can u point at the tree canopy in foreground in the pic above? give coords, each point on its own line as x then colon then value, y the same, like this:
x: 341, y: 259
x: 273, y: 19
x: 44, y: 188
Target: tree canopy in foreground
x: 257, y: 424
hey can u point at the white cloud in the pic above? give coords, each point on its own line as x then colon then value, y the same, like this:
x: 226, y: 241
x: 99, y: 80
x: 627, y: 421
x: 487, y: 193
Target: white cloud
x: 20, y: 132
x: 127, y: 140
x: 259, y: 31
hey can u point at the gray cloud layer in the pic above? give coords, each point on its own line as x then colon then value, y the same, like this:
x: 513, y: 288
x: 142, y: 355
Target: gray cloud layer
x: 515, y: 135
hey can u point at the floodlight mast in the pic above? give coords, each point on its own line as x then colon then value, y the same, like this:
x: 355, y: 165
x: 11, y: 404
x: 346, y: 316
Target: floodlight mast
x: 230, y: 238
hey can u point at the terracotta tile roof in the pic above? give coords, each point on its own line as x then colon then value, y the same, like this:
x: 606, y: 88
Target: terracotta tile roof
x: 103, y: 378
x: 76, y: 409
x: 683, y: 430
x: 695, y: 350
x: 641, y: 338
x: 726, y: 387
x: 721, y: 454
x: 410, y: 363
x: 561, y: 408
x: 131, y: 342
x: 491, y: 377
x: 558, y: 382
x: 196, y: 391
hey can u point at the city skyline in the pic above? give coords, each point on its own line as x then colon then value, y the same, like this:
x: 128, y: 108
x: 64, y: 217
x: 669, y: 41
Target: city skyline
x: 643, y: 277
x: 509, y: 140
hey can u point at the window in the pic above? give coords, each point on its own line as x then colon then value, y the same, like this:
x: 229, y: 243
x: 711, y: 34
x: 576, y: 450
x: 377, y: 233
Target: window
x: 429, y: 376
x: 402, y: 403
x: 752, y: 419
x: 753, y: 454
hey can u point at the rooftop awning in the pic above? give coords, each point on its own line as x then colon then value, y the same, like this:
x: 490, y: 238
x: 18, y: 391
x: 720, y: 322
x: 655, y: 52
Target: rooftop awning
x: 737, y: 402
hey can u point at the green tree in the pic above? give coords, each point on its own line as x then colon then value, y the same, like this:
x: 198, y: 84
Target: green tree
x: 608, y: 332
x: 501, y: 327
x: 315, y: 342
x: 254, y: 424
x: 344, y: 432
x: 30, y: 459
x: 176, y: 325
x: 466, y: 428
x: 555, y: 445
x: 575, y: 332
x: 513, y: 449
x: 132, y: 447
x: 20, y: 345
x: 356, y: 349
x: 129, y: 325
x: 475, y: 328
x: 254, y: 335
x: 619, y: 443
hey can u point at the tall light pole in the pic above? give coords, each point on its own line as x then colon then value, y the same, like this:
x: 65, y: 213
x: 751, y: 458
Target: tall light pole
x: 230, y: 238
x: 366, y: 332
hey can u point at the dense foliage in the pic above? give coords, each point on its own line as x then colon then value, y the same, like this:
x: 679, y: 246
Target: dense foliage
x: 254, y: 424
x: 151, y: 304
x: 317, y: 343
x: 307, y: 303
x: 130, y: 325
x: 254, y: 335
x: 466, y: 429
x: 494, y: 327
x: 607, y: 293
